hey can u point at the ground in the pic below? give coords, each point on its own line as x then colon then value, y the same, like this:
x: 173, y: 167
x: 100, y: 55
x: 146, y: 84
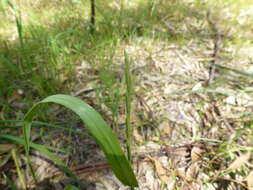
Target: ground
x: 190, y: 132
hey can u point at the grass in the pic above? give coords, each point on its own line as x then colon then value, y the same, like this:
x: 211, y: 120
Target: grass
x: 97, y: 127
x: 129, y: 94
x: 43, y: 43
x: 51, y: 50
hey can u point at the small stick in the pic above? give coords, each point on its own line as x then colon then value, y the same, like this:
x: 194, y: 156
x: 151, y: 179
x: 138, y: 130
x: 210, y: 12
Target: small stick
x: 217, y: 46
x: 93, y: 16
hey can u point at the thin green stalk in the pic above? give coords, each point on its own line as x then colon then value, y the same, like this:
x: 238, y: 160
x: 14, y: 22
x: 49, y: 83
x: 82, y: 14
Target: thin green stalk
x: 128, y: 107
x: 19, y: 26
x: 18, y: 21
x: 28, y: 159
x: 20, y: 174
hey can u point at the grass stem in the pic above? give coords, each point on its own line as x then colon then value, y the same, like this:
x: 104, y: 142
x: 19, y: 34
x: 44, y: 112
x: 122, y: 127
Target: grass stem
x: 128, y: 106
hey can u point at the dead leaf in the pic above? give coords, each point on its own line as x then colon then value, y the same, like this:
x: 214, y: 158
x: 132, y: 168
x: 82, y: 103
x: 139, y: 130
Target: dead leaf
x: 16, y: 95
x: 161, y: 172
x: 249, y: 180
x: 166, y: 131
x: 155, y: 139
x: 181, y: 172
x: 106, y: 183
x: 6, y: 148
x: 137, y: 136
x: 192, y: 171
x: 196, y: 153
x: 241, y: 160
x: 165, y: 128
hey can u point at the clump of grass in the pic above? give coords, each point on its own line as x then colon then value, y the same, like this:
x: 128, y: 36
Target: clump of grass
x: 110, y: 93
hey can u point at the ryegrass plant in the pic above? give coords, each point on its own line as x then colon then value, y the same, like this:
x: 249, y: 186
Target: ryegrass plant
x: 97, y: 127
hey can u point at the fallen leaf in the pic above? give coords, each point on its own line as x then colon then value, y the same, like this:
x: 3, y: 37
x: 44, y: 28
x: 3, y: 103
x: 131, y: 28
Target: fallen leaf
x: 137, y: 136
x: 16, y: 95
x: 161, y: 172
x: 192, y: 171
x: 6, y: 148
x: 196, y: 153
x: 198, y: 86
x: 155, y: 139
x: 249, y: 180
x: 166, y: 131
x: 165, y: 128
x: 241, y: 160
x: 181, y: 172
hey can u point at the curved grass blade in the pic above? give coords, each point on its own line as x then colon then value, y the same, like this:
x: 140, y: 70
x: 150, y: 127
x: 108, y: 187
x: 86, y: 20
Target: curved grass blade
x: 102, y: 133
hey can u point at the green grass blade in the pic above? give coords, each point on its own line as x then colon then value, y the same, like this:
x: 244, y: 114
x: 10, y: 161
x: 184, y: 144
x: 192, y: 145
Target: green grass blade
x: 99, y: 130
x: 128, y: 106
x: 234, y: 70
x: 40, y: 148
x: 71, y: 187
x: 10, y: 183
x: 40, y: 124
x: 18, y: 168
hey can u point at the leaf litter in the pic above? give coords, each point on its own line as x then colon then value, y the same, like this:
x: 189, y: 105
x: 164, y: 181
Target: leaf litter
x: 189, y: 124
x: 192, y: 127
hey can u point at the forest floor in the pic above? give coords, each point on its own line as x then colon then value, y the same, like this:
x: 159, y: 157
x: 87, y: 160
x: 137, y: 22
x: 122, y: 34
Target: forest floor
x: 193, y: 128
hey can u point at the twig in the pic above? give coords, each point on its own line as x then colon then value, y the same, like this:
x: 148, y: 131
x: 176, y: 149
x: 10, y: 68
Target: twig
x: 93, y: 17
x: 235, y: 181
x: 84, y: 90
x: 181, y: 57
x: 147, y: 109
x: 139, y: 157
x: 216, y: 50
x: 86, y: 168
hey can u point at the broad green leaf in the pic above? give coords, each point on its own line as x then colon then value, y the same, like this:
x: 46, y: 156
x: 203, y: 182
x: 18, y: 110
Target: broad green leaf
x: 102, y: 133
